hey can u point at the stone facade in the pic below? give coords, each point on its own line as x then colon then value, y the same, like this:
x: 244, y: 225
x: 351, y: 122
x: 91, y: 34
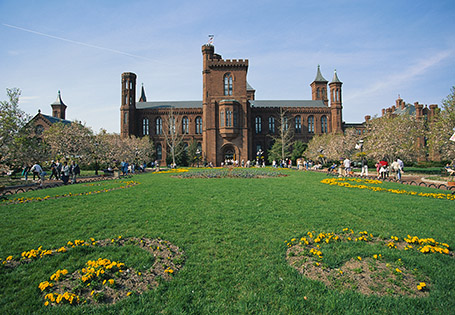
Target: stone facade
x: 229, y: 123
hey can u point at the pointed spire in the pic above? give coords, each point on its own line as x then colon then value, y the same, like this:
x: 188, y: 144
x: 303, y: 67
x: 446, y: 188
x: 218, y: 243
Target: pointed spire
x: 58, y: 101
x: 143, y: 98
x: 319, y: 77
x: 335, y: 78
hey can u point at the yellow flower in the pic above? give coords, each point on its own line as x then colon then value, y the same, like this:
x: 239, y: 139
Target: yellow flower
x: 398, y: 270
x: 111, y: 281
x: 359, y: 258
x: 128, y: 294
x: 375, y: 256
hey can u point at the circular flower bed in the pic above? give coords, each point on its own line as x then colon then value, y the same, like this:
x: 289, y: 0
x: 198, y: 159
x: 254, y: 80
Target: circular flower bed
x: 376, y: 274
x: 364, y: 184
x: 103, y: 281
x: 232, y: 173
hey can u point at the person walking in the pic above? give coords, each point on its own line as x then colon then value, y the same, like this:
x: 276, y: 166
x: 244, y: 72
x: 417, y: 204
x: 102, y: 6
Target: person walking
x: 364, y: 171
x: 65, y: 173
x: 74, y: 171
x: 53, y: 170
x: 58, y: 169
x: 25, y: 171
x: 37, y: 171
x: 347, y: 167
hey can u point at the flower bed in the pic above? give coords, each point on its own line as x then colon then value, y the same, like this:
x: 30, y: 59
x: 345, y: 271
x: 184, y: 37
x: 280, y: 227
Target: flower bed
x: 103, y: 281
x: 172, y: 171
x: 376, y: 274
x: 364, y: 184
x: 232, y: 173
x: 123, y: 185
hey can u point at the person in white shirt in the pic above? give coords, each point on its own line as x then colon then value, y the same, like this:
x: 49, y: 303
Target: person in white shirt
x: 37, y: 170
x: 347, y: 166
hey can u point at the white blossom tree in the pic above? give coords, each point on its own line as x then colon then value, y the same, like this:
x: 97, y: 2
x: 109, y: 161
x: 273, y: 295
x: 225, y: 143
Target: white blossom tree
x: 395, y: 136
x: 442, y: 128
x: 332, y: 147
x: 70, y: 141
x: 12, y: 121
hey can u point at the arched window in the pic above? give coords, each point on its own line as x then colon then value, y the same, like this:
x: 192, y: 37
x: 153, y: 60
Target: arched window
x: 159, y: 151
x: 317, y: 93
x: 338, y: 95
x: 145, y: 126
x: 310, y: 124
x: 285, y: 123
x: 185, y: 129
x: 298, y: 124
x: 228, y: 118
x: 227, y: 84
x: 324, y: 124
x: 171, y: 125
x: 198, y: 125
x: 272, y: 124
x: 258, y: 123
x: 39, y: 129
x: 323, y: 94
x: 158, y: 126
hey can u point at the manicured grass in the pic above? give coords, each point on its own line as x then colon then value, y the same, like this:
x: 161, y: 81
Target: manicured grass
x: 232, y: 231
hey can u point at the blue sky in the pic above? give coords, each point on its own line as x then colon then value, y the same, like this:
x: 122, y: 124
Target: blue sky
x: 379, y: 48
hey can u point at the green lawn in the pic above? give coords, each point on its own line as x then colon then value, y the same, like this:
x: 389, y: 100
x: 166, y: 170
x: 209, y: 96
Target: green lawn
x: 233, y: 232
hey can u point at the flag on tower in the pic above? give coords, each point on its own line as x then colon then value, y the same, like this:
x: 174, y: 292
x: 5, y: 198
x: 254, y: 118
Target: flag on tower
x: 210, y: 42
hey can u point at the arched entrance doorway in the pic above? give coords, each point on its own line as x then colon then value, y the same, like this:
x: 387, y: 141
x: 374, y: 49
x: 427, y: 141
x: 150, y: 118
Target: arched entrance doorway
x: 229, y: 154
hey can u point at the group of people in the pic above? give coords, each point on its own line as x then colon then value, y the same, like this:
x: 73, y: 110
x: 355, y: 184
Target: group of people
x: 58, y: 171
x: 127, y: 168
x: 383, y: 168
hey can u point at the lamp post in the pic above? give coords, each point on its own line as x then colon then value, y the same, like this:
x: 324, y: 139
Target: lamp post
x: 198, y: 156
x: 363, y: 162
x: 259, y: 157
x: 321, y: 156
x: 360, y: 143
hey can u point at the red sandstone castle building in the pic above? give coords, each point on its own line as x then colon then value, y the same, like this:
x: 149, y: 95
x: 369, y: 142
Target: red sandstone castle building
x: 229, y: 123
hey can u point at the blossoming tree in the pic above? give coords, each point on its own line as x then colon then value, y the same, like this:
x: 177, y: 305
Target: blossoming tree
x: 442, y: 128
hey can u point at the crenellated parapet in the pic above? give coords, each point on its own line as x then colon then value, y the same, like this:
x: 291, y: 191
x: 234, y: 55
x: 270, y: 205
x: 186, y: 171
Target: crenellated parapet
x: 228, y: 63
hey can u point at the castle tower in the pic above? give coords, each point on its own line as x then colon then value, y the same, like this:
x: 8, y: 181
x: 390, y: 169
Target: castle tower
x: 128, y: 107
x: 225, y: 108
x: 58, y: 108
x: 319, y: 87
x: 336, y: 104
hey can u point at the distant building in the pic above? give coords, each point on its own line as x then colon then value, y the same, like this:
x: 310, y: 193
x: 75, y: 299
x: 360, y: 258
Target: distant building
x: 43, y: 122
x: 229, y: 123
x: 421, y: 112
x: 416, y: 109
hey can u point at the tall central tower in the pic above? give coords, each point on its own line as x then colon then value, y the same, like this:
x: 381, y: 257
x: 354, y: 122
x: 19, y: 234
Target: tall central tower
x: 226, y: 108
